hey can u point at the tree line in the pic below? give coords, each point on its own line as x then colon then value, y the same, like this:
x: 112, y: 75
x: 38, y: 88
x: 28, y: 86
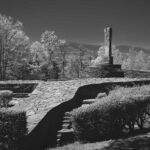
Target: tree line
x: 44, y: 59
x: 133, y: 60
x: 21, y: 59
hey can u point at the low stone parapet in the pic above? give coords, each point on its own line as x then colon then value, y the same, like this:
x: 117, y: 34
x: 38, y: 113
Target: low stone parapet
x: 106, y: 71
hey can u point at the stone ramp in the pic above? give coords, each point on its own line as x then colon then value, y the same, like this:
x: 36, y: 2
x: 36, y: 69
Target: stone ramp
x: 50, y: 94
x: 47, y: 104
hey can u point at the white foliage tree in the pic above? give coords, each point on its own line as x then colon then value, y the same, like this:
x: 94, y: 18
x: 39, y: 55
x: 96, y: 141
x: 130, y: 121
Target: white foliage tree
x: 14, y: 45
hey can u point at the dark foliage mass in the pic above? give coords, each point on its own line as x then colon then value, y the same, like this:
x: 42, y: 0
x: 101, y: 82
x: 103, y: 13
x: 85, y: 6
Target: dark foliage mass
x: 118, y: 113
x: 5, y: 97
x: 17, y: 87
x: 12, y: 129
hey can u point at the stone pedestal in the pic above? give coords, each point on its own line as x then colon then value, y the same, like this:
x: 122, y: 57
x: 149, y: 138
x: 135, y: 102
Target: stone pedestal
x: 103, y: 66
x: 106, y: 71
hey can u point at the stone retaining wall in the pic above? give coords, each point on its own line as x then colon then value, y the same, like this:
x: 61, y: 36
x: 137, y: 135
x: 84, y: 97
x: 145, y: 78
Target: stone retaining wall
x: 44, y: 134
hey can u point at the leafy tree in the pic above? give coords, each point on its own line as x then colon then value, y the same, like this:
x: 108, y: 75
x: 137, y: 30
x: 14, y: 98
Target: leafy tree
x: 22, y: 71
x: 81, y: 56
x: 148, y: 63
x: 51, y: 42
x: 129, y: 61
x: 62, y: 48
x: 73, y: 67
x: 14, y: 45
x: 55, y: 71
x: 140, y: 61
x: 38, y: 54
x: 117, y: 56
x: 53, y: 46
x: 51, y: 71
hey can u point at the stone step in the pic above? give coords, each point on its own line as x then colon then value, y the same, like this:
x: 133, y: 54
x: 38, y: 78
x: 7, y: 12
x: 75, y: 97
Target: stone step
x: 85, y: 105
x: 89, y: 101
x: 66, y: 131
x: 66, y: 121
x: 67, y: 117
x: 66, y: 126
x: 65, y: 136
x: 67, y: 114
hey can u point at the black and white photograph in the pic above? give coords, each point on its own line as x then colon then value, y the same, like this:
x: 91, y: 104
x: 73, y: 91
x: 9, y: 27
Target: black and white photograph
x: 74, y: 74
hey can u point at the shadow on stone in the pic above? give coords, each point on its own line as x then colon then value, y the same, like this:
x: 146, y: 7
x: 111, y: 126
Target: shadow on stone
x: 45, y: 133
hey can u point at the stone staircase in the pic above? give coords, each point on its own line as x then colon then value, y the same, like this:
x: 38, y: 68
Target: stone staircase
x: 66, y: 134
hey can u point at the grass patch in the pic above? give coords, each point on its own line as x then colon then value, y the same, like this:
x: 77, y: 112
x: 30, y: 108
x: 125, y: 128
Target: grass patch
x: 81, y: 146
x: 133, y: 143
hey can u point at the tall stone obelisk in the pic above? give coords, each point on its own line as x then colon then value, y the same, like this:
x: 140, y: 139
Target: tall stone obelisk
x: 103, y: 65
x: 108, y: 44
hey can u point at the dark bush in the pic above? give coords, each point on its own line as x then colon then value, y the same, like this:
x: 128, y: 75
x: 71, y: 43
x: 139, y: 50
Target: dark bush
x: 18, y: 86
x: 5, y: 97
x: 12, y: 129
x: 120, y: 111
x: 50, y: 71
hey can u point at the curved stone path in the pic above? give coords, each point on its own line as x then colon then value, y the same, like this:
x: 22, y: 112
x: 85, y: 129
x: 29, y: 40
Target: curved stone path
x: 49, y: 94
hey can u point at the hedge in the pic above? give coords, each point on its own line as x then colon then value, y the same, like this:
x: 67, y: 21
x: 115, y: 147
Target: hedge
x: 18, y: 87
x: 108, y: 118
x: 12, y: 129
x: 5, y: 97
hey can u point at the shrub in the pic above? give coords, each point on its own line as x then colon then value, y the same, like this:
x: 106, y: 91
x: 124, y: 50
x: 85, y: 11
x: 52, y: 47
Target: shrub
x: 5, y: 97
x: 12, y: 129
x: 119, y: 111
x: 50, y: 71
x: 136, y: 90
x: 18, y: 86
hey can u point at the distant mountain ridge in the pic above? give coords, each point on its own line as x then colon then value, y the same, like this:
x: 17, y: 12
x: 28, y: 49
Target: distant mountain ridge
x: 73, y: 47
x: 88, y: 46
x: 125, y: 48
